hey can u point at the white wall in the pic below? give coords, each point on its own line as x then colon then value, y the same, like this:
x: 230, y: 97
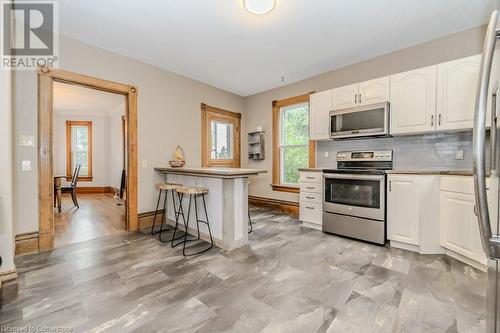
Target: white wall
x: 6, y: 194
x: 168, y: 115
x: 115, y: 148
x: 101, y: 162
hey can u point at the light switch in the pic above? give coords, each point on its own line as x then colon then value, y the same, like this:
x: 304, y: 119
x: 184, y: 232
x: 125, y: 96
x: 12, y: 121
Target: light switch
x: 26, y: 165
x: 26, y: 140
x: 144, y: 163
x: 326, y: 154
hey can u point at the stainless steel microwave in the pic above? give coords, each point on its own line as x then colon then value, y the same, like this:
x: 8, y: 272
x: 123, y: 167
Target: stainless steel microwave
x: 360, y: 121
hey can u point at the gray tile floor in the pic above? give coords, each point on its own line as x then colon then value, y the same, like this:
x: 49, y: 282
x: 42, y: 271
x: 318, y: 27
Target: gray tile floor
x: 290, y: 279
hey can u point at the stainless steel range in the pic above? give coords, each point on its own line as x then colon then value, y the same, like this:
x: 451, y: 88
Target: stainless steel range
x: 354, y: 204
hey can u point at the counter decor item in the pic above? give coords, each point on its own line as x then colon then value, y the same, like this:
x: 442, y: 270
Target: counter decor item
x: 179, y: 160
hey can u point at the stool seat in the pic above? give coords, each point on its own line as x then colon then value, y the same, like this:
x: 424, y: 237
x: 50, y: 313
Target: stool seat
x: 192, y: 190
x: 167, y: 186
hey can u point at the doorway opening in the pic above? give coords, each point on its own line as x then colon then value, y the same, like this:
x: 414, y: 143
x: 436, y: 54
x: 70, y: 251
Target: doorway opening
x: 87, y: 163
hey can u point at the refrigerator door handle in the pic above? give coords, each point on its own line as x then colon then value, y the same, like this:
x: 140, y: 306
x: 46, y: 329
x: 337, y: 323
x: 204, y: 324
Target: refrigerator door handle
x: 493, y: 128
x: 491, y: 243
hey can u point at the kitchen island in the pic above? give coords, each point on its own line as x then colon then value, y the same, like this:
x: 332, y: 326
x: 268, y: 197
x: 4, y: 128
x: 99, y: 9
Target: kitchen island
x: 227, y: 202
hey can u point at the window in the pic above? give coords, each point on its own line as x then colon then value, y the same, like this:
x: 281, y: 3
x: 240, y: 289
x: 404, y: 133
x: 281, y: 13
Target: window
x: 220, y: 137
x: 79, y: 149
x: 221, y: 140
x: 292, y: 149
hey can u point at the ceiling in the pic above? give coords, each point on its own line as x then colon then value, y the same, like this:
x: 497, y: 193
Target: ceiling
x: 219, y: 43
x: 72, y: 99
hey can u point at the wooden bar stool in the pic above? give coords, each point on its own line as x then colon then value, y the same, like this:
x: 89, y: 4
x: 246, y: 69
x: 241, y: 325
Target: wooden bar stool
x: 164, y: 187
x: 194, y: 193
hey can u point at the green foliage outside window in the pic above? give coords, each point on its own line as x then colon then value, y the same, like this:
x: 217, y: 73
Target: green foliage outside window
x: 294, y: 142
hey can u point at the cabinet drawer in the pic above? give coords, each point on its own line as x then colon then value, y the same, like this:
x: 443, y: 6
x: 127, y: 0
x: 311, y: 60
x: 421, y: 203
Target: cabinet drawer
x: 311, y: 197
x: 310, y: 212
x: 311, y: 187
x: 311, y: 177
x: 459, y: 184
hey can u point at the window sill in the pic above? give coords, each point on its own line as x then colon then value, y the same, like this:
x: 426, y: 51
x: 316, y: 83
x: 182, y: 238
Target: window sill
x: 80, y: 179
x: 285, y: 188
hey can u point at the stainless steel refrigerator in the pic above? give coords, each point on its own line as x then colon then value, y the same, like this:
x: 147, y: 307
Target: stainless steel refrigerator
x: 485, y: 146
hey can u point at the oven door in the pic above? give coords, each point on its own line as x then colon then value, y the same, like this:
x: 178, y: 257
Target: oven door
x: 366, y: 120
x: 355, y: 194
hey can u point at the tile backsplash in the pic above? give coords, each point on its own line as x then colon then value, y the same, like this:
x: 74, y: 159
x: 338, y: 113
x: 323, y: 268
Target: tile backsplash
x: 435, y: 151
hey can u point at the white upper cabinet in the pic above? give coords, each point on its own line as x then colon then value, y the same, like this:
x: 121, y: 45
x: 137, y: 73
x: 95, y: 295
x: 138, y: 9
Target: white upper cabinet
x: 413, y: 101
x: 456, y: 93
x: 320, y: 105
x: 374, y: 91
x: 345, y: 97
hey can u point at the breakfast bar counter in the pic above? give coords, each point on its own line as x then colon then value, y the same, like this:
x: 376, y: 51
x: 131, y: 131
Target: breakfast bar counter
x: 227, y: 202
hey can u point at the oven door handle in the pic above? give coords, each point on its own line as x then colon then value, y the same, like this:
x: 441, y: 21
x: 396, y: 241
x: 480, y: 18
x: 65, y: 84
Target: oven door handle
x: 352, y: 176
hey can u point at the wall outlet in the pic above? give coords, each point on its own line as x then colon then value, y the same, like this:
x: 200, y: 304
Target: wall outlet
x: 459, y: 154
x: 26, y: 140
x: 326, y: 154
x: 144, y: 163
x: 26, y: 165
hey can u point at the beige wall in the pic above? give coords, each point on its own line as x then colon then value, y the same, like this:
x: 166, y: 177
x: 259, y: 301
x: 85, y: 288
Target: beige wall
x: 6, y: 211
x: 258, y: 107
x: 168, y: 114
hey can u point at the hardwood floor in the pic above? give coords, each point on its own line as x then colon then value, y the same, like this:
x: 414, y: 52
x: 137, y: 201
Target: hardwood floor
x: 99, y: 215
x: 289, y: 279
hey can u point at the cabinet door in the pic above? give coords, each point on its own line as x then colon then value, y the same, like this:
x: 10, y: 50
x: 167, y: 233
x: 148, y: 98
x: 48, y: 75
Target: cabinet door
x: 456, y: 93
x: 374, y: 91
x: 403, y: 210
x: 345, y: 97
x: 459, y: 227
x: 413, y: 101
x: 319, y: 115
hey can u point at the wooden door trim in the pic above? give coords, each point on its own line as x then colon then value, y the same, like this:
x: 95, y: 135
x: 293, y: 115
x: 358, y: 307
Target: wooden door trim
x: 46, y: 78
x: 206, y: 161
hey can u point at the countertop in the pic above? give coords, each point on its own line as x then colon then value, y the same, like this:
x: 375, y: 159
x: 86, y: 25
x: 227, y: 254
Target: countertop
x: 410, y: 172
x: 211, y: 172
x: 432, y: 172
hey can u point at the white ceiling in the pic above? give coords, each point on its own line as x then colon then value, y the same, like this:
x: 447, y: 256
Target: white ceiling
x: 219, y: 43
x: 72, y: 99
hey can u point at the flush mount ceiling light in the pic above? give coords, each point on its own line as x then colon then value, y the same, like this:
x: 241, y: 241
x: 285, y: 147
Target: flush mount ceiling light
x: 259, y: 7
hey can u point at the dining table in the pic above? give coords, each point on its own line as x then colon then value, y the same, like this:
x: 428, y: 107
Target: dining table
x: 58, y: 191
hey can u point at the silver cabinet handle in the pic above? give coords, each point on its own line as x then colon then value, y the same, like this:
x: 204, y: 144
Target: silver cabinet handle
x: 309, y: 207
x: 359, y: 98
x: 310, y: 187
x: 432, y: 120
x: 309, y: 177
x: 356, y: 99
x: 310, y: 198
x: 439, y: 119
x: 491, y: 244
x: 390, y: 185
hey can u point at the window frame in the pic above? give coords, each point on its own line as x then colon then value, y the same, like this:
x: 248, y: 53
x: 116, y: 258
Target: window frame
x: 69, y: 155
x: 277, y: 185
x: 209, y: 114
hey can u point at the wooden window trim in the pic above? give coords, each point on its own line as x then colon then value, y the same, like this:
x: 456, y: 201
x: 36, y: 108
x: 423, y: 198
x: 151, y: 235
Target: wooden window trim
x: 69, y: 168
x: 277, y: 105
x: 209, y: 113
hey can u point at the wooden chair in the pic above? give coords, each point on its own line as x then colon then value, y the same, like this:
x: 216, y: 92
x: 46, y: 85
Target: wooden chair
x: 72, y: 187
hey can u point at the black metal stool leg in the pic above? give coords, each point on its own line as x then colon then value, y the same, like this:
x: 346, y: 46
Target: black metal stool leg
x: 196, y: 215
x: 250, y: 222
x: 176, y: 216
x: 156, y: 212
x: 162, y: 215
x: 182, y: 213
x: 186, y: 226
x: 208, y: 226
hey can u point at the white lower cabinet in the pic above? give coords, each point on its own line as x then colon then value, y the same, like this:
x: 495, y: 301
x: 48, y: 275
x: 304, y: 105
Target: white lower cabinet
x: 311, y: 199
x: 459, y: 226
x: 413, y: 213
x: 432, y: 214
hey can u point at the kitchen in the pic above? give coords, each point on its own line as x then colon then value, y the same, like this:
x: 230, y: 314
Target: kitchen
x: 270, y: 188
